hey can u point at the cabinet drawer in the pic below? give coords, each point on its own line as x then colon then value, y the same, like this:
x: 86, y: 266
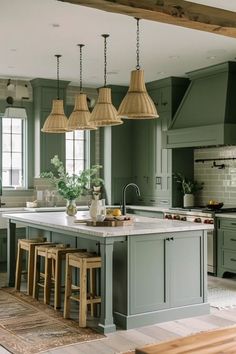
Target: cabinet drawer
x: 229, y: 240
x: 227, y: 224
x: 229, y: 260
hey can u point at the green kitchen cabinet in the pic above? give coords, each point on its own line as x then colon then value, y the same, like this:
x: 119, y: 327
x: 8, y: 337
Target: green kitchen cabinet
x: 171, y: 266
x: 46, y: 145
x: 153, y: 164
x: 143, y: 157
x: 163, y: 165
x: 117, y: 154
x: 20, y: 233
x: 135, y: 151
x: 226, y: 246
x: 3, y: 246
x: 165, y: 274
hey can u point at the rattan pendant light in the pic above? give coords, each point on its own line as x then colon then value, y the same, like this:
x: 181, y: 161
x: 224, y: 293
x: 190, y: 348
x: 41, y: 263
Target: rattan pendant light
x: 80, y: 117
x: 56, y: 122
x: 137, y: 104
x: 104, y: 113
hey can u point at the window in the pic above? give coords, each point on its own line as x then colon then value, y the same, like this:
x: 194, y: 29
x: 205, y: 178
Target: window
x: 12, y: 151
x: 75, y: 151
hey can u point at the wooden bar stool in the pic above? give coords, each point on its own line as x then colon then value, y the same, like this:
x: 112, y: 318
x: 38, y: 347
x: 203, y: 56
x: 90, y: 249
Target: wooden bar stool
x: 86, y: 263
x: 53, y: 257
x: 29, y: 247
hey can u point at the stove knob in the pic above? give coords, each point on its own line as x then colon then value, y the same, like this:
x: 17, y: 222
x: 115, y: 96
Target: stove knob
x: 176, y: 217
x: 211, y: 221
x: 183, y: 218
x: 197, y: 220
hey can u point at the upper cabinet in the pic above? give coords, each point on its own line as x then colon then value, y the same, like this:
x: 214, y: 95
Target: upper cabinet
x: 117, y: 153
x: 46, y: 145
x: 152, y: 164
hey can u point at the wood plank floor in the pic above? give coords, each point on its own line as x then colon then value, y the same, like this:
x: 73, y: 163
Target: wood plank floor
x: 125, y: 341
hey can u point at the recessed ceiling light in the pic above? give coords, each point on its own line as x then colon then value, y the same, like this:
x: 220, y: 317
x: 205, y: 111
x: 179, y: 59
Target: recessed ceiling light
x: 160, y: 72
x: 211, y: 57
x: 13, y: 49
x: 55, y: 25
x: 11, y: 67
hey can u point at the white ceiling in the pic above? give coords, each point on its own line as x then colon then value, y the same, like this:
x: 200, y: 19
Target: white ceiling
x: 32, y: 31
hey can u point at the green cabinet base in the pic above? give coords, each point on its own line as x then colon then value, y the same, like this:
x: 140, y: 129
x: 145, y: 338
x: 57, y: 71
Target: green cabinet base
x: 149, y: 318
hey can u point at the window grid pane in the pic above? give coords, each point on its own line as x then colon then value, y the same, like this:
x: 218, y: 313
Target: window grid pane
x: 75, y: 152
x: 12, y: 152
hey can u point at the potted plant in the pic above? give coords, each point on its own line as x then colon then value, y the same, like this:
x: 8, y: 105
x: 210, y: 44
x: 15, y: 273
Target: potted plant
x: 70, y: 186
x: 95, y: 181
x: 189, y: 188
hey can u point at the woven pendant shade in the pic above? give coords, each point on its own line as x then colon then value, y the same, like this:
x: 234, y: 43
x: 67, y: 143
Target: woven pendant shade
x: 137, y: 104
x: 104, y: 113
x: 56, y: 122
x: 80, y: 117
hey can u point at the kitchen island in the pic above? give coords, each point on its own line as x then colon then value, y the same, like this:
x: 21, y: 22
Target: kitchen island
x: 152, y: 271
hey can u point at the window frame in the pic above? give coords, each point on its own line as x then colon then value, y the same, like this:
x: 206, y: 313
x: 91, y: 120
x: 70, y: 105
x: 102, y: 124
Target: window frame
x: 24, y: 152
x: 86, y: 154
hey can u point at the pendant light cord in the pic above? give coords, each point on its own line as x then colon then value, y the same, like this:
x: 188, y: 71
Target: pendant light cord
x: 80, y: 65
x: 137, y: 44
x: 105, y: 36
x: 58, y: 89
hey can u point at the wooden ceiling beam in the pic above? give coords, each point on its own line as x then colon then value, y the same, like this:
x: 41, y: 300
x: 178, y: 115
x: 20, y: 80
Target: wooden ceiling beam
x: 175, y: 12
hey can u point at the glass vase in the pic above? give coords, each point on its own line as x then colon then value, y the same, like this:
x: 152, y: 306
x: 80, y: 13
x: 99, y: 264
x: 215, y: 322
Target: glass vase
x: 71, y: 209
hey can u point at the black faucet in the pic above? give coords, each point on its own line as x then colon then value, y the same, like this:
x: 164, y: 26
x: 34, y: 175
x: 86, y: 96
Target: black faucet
x: 124, y: 195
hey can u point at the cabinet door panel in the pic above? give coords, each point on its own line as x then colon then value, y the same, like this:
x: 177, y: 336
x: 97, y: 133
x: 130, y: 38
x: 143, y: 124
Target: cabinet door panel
x: 186, y: 270
x: 226, y: 246
x: 229, y: 260
x: 229, y: 239
x: 148, y: 289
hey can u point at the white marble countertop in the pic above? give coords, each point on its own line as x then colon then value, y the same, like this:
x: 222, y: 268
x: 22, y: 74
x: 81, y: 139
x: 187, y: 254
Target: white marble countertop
x: 141, y: 226
x: 85, y: 207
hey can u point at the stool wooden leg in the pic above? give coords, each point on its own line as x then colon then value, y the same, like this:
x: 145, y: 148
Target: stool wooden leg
x: 91, y: 290
x: 68, y: 291
x: 47, y: 280
x: 18, y: 267
x: 36, y: 274
x: 30, y: 275
x: 57, y: 289
x: 83, y: 295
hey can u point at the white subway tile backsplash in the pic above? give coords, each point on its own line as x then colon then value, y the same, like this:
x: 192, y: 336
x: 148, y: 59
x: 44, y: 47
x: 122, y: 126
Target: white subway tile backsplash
x: 219, y: 184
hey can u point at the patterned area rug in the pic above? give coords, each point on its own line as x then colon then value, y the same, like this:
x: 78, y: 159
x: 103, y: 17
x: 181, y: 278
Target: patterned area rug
x: 222, y: 292
x: 27, y: 326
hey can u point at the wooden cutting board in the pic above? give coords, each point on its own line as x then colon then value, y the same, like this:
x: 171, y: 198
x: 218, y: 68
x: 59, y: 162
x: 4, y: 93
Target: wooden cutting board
x: 110, y: 223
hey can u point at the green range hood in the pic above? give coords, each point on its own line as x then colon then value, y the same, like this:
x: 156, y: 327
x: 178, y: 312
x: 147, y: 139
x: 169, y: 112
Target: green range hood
x: 207, y: 113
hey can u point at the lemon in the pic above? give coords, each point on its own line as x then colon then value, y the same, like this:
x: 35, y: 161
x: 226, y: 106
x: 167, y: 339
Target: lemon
x: 116, y: 212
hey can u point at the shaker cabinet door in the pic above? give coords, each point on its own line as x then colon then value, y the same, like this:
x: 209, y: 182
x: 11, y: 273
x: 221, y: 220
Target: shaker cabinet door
x: 148, y: 271
x: 186, y: 269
